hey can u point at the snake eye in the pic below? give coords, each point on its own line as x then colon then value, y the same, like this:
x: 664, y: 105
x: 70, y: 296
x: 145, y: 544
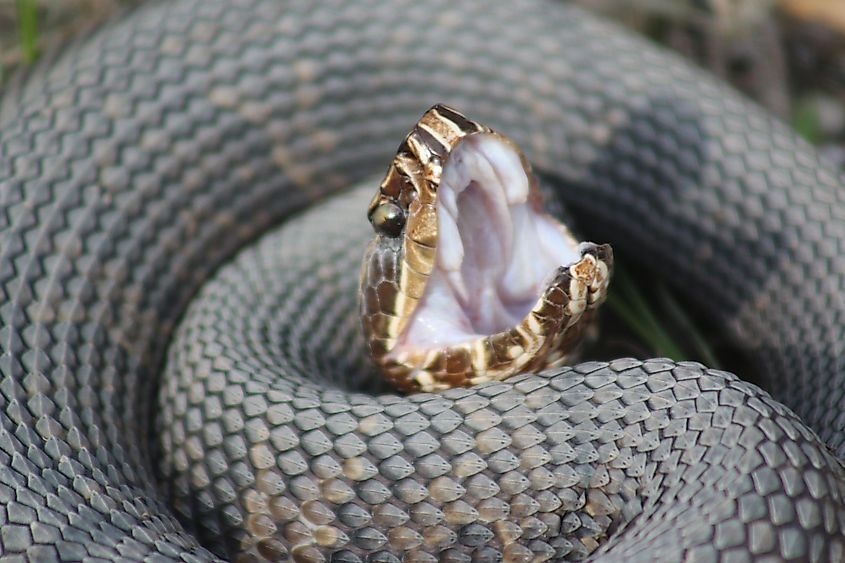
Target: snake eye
x: 388, y: 219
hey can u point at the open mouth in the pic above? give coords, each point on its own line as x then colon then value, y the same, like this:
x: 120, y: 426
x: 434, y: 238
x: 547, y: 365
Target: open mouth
x: 496, y: 251
x: 467, y: 279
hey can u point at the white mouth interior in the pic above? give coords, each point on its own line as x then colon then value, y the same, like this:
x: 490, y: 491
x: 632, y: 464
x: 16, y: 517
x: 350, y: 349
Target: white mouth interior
x: 495, y: 254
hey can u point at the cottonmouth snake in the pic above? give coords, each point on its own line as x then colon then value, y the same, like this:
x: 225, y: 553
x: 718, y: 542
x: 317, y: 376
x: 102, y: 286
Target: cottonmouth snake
x: 158, y: 148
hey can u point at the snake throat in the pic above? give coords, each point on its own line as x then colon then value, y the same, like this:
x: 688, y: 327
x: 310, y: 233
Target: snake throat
x: 467, y: 279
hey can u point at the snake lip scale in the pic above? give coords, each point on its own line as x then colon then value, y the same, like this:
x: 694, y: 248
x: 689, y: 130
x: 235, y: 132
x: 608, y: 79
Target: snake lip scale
x: 181, y: 375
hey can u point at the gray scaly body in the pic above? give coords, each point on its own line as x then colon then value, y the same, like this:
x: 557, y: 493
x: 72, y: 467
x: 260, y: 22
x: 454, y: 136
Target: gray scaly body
x: 176, y: 136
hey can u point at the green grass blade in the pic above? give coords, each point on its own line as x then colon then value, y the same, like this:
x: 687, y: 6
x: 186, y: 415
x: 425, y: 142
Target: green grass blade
x: 627, y: 301
x: 27, y: 11
x: 806, y: 120
x: 674, y: 309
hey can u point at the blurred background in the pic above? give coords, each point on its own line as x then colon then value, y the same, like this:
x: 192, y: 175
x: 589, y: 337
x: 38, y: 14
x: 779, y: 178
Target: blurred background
x: 789, y: 55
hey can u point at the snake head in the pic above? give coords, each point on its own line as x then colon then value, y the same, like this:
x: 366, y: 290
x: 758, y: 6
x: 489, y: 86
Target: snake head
x: 414, y: 174
x: 467, y: 279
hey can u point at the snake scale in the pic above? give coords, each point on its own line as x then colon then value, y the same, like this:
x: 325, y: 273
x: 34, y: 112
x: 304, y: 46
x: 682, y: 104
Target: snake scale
x: 141, y: 182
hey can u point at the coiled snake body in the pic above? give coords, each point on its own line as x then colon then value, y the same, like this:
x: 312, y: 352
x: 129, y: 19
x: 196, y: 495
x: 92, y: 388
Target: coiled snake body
x: 171, y: 139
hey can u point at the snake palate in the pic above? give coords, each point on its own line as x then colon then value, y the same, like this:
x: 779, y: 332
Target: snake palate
x: 467, y: 279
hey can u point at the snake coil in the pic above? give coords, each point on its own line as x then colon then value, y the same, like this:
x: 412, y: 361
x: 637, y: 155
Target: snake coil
x: 154, y: 151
